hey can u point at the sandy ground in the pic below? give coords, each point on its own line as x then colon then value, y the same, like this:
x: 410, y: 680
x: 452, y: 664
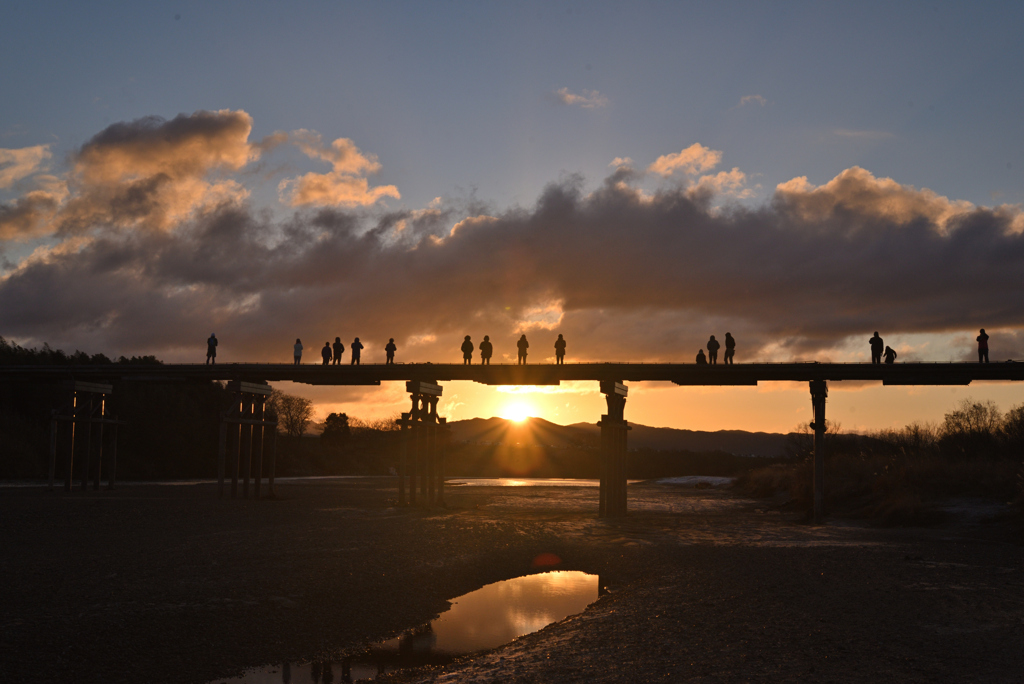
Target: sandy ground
x: 169, y: 584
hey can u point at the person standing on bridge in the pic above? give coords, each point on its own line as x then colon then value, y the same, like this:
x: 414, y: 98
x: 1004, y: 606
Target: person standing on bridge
x: 522, y: 345
x: 730, y: 348
x: 486, y: 350
x: 390, y: 350
x: 713, y: 347
x: 877, y: 346
x: 701, y: 359
x: 560, y: 351
x: 211, y: 349
x: 339, y: 349
x: 298, y: 351
x: 982, y: 347
x: 467, y: 351
x: 889, y: 354
x: 357, y: 348
x: 325, y: 353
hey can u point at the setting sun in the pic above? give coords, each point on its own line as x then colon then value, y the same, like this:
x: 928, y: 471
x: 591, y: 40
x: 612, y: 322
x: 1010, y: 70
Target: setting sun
x: 517, y: 412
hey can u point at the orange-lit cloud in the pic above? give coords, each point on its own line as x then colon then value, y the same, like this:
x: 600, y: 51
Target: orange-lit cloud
x: 868, y: 200
x: 156, y: 173
x: 731, y: 183
x: 753, y: 99
x: 588, y: 99
x: 694, y: 159
x: 345, y: 185
x: 27, y: 216
x: 21, y: 163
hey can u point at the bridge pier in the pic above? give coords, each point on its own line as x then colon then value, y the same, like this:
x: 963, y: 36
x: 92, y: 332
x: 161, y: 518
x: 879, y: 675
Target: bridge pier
x: 424, y: 440
x: 89, y: 403
x: 614, y: 432
x: 242, y: 432
x: 819, y: 392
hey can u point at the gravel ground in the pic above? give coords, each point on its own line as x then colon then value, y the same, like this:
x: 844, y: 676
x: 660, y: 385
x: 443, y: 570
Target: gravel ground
x: 168, y: 584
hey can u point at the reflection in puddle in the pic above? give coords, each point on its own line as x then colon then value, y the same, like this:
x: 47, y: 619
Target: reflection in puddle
x: 486, y: 618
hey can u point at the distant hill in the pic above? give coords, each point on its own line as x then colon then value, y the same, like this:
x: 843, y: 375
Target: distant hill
x: 540, y: 432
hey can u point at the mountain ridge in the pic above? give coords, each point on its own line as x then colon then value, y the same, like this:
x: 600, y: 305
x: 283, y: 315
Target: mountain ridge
x: 541, y: 432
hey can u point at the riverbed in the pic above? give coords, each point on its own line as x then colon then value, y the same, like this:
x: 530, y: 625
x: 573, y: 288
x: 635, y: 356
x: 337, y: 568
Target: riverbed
x: 170, y: 584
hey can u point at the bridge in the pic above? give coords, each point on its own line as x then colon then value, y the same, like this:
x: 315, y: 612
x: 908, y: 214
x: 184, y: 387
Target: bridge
x: 423, y: 428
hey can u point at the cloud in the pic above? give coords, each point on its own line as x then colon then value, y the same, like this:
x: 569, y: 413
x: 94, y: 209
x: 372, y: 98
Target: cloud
x: 622, y: 274
x: 621, y: 161
x: 156, y: 173
x: 344, y: 185
x: 26, y: 217
x: 871, y: 202
x: 864, y: 135
x: 588, y: 99
x: 752, y: 99
x: 21, y: 163
x: 694, y: 159
x: 731, y: 183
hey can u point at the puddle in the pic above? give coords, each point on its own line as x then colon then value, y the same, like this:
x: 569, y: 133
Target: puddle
x: 486, y: 618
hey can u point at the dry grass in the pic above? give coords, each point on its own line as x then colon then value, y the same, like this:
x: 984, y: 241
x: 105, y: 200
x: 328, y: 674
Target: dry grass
x: 887, y: 490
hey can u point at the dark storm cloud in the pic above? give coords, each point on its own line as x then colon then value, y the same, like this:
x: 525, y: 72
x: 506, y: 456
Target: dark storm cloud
x: 622, y: 274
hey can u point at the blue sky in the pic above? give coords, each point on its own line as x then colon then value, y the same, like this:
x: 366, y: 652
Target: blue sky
x: 452, y: 96
x: 511, y: 113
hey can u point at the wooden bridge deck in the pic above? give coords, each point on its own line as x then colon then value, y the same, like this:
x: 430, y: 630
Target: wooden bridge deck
x: 536, y: 374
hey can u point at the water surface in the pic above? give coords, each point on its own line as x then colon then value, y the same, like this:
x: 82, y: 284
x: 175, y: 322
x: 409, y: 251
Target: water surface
x: 483, y: 619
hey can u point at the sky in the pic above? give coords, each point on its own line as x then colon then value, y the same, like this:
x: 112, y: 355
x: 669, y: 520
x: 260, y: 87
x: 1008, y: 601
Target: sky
x: 635, y: 176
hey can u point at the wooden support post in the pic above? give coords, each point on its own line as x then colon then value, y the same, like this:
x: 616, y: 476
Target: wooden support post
x: 246, y: 443
x: 603, y: 466
x: 273, y: 464
x: 99, y: 445
x: 431, y: 464
x: 442, y: 451
x: 415, y: 460
x: 54, y: 427
x: 403, y: 458
x: 413, y: 445
x: 431, y: 450
x: 113, y: 459
x: 70, y: 461
x: 234, y: 442
x: 222, y: 441
x: 257, y: 438
x: 88, y: 442
x: 819, y: 392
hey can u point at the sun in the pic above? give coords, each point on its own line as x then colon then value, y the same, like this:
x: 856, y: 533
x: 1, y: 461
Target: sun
x: 517, y: 412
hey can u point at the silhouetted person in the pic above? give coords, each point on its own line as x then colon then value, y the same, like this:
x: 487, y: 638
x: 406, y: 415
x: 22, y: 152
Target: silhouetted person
x: 211, y: 349
x: 467, y: 351
x: 730, y: 348
x: 713, y: 346
x: 339, y: 349
x: 560, y: 350
x: 286, y: 673
x: 877, y: 346
x: 486, y: 350
x: 357, y: 349
x: 982, y: 347
x: 701, y: 359
x: 325, y: 353
x: 298, y: 351
x: 390, y: 350
x: 522, y: 345
x: 890, y: 354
